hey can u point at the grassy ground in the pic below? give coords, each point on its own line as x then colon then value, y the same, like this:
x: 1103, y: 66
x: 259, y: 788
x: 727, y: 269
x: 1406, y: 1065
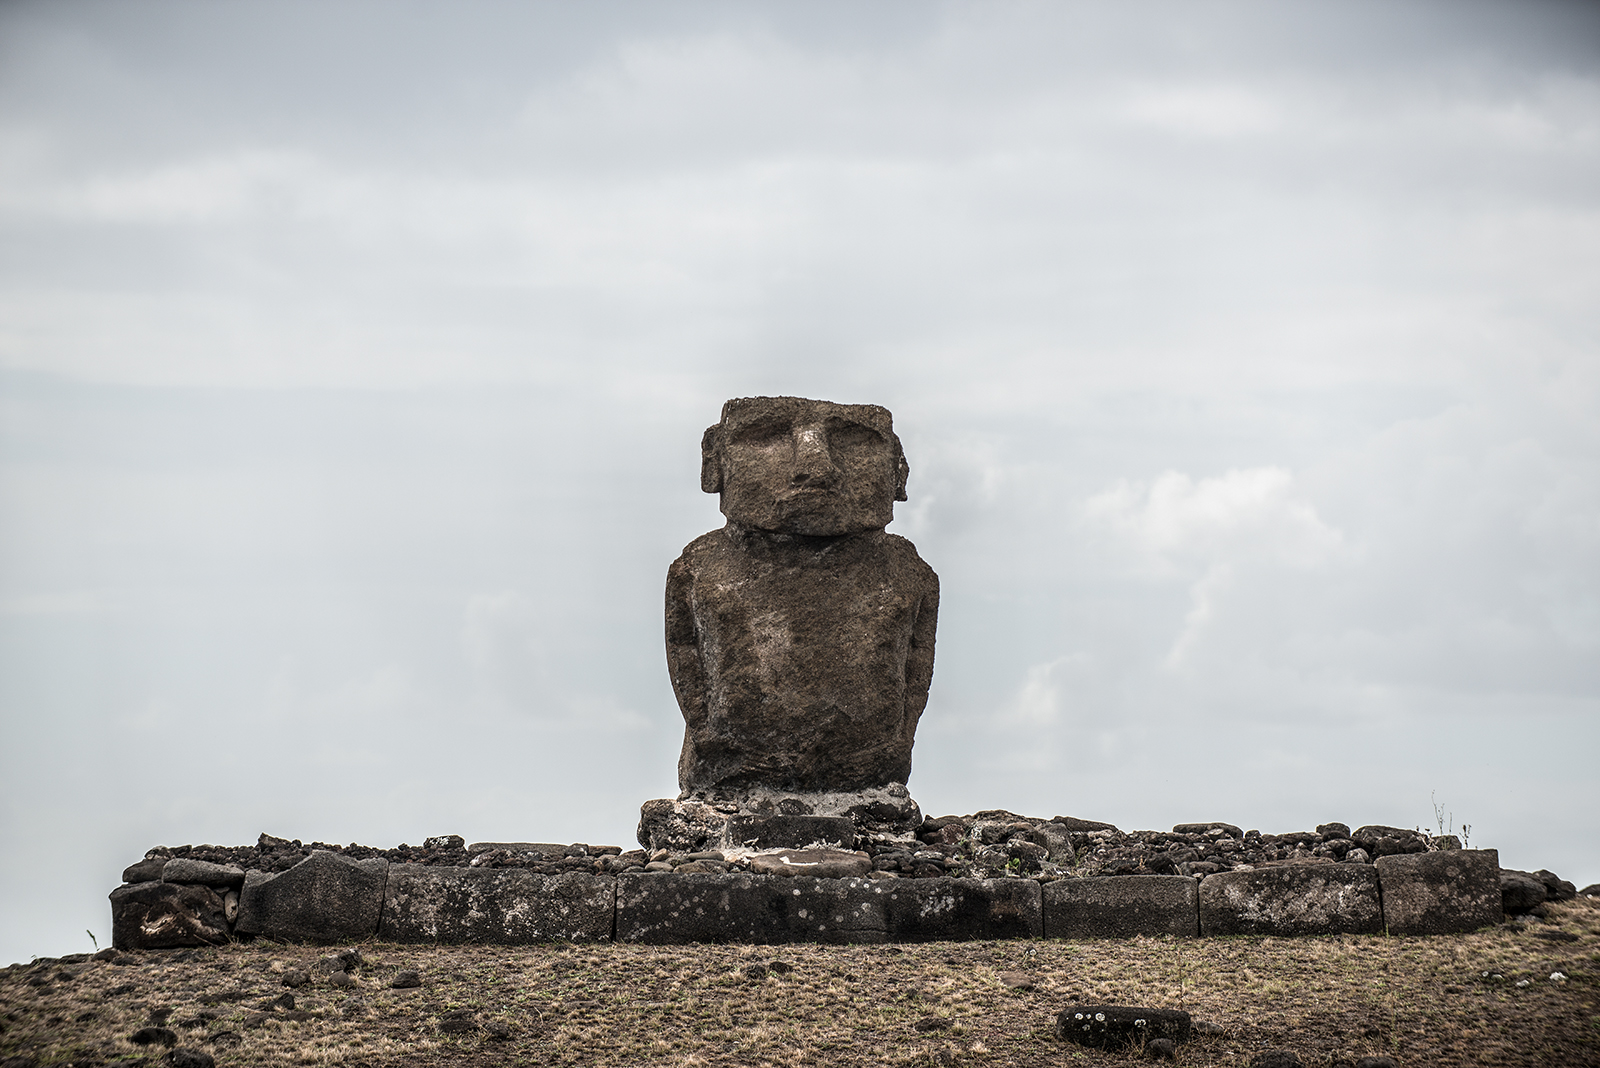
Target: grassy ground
x: 1423, y: 1001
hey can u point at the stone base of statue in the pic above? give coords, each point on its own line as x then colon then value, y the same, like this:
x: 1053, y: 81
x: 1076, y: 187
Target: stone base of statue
x: 760, y: 819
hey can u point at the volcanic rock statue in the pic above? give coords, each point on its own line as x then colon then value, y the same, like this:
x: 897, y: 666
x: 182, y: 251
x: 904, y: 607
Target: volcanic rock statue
x: 800, y: 635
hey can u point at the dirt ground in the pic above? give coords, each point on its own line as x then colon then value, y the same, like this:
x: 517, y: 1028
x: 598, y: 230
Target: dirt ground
x: 1482, y: 999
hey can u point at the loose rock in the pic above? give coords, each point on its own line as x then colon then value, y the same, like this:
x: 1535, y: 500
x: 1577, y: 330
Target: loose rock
x: 149, y: 1036
x: 1275, y: 1058
x: 1160, y: 1049
x: 1118, y: 1026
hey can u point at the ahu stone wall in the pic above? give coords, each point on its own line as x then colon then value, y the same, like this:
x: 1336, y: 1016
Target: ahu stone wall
x: 329, y: 896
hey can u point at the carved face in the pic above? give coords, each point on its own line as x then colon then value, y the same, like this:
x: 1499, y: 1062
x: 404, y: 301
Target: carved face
x: 795, y: 466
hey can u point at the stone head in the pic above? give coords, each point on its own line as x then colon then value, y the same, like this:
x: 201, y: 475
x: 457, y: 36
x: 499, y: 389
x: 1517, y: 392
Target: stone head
x: 789, y: 465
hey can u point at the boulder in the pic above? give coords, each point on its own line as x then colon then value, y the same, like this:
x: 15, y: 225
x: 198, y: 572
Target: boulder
x: 669, y: 909
x: 146, y: 871
x: 184, y: 870
x: 1206, y: 828
x: 1520, y: 891
x: 819, y: 863
x: 1115, y: 1027
x: 503, y: 906
x: 1055, y: 840
x: 324, y: 898
x: 1121, y: 907
x: 1381, y: 841
x: 939, y: 910
x: 1292, y: 899
x: 1447, y: 892
x: 150, y: 915
x: 1559, y: 888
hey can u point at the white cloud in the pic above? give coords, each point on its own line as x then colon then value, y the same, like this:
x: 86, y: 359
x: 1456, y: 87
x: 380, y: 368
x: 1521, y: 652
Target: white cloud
x: 1254, y: 510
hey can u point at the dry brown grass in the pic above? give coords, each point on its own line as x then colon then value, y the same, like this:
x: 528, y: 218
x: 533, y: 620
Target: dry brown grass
x: 1424, y: 1001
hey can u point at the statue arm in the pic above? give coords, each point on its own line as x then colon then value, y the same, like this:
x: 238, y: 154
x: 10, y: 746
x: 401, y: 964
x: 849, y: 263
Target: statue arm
x: 919, y: 661
x: 683, y: 646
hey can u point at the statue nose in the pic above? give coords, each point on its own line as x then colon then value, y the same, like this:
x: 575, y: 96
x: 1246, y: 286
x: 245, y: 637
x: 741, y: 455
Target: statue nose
x: 813, y: 460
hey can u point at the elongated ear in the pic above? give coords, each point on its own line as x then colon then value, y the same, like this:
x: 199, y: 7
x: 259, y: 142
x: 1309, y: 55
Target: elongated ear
x: 711, y: 459
x: 902, y: 470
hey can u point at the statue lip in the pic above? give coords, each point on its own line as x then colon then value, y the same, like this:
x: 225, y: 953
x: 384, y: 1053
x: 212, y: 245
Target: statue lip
x: 808, y: 491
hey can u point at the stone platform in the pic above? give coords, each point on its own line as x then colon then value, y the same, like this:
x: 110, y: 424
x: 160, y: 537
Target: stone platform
x: 328, y: 897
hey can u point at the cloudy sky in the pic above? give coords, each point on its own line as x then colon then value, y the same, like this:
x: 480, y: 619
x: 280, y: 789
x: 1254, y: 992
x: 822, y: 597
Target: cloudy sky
x: 354, y: 358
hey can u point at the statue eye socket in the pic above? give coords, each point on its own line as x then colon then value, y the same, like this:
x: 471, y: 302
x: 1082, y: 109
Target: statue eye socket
x: 843, y: 435
x: 761, y: 432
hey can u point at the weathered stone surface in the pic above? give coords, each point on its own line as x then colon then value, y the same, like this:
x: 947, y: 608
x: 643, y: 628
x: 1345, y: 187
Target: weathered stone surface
x: 800, y: 636
x: 545, y: 849
x: 146, y: 871
x: 680, y: 909
x: 508, y: 906
x: 1119, y: 1026
x: 1121, y: 907
x: 935, y: 910
x: 1447, y: 892
x: 324, y: 898
x: 1074, y: 824
x: 681, y: 826
x: 184, y: 870
x: 791, y: 832
x: 151, y: 915
x: 1292, y: 899
x: 1055, y: 840
x: 817, y: 863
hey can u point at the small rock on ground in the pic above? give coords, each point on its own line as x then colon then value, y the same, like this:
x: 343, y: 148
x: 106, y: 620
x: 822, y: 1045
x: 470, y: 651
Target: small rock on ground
x: 149, y: 1036
x: 1275, y: 1058
x: 190, y: 1058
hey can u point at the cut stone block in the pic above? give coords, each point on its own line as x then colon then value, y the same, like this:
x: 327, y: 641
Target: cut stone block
x: 165, y: 915
x: 324, y: 898
x: 819, y: 863
x: 938, y: 910
x: 1293, y: 899
x: 790, y: 832
x: 1440, y: 893
x: 502, y: 906
x: 1119, y: 1026
x: 665, y: 909
x: 1122, y: 906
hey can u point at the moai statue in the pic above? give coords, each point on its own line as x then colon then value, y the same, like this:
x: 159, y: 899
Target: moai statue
x: 800, y: 635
